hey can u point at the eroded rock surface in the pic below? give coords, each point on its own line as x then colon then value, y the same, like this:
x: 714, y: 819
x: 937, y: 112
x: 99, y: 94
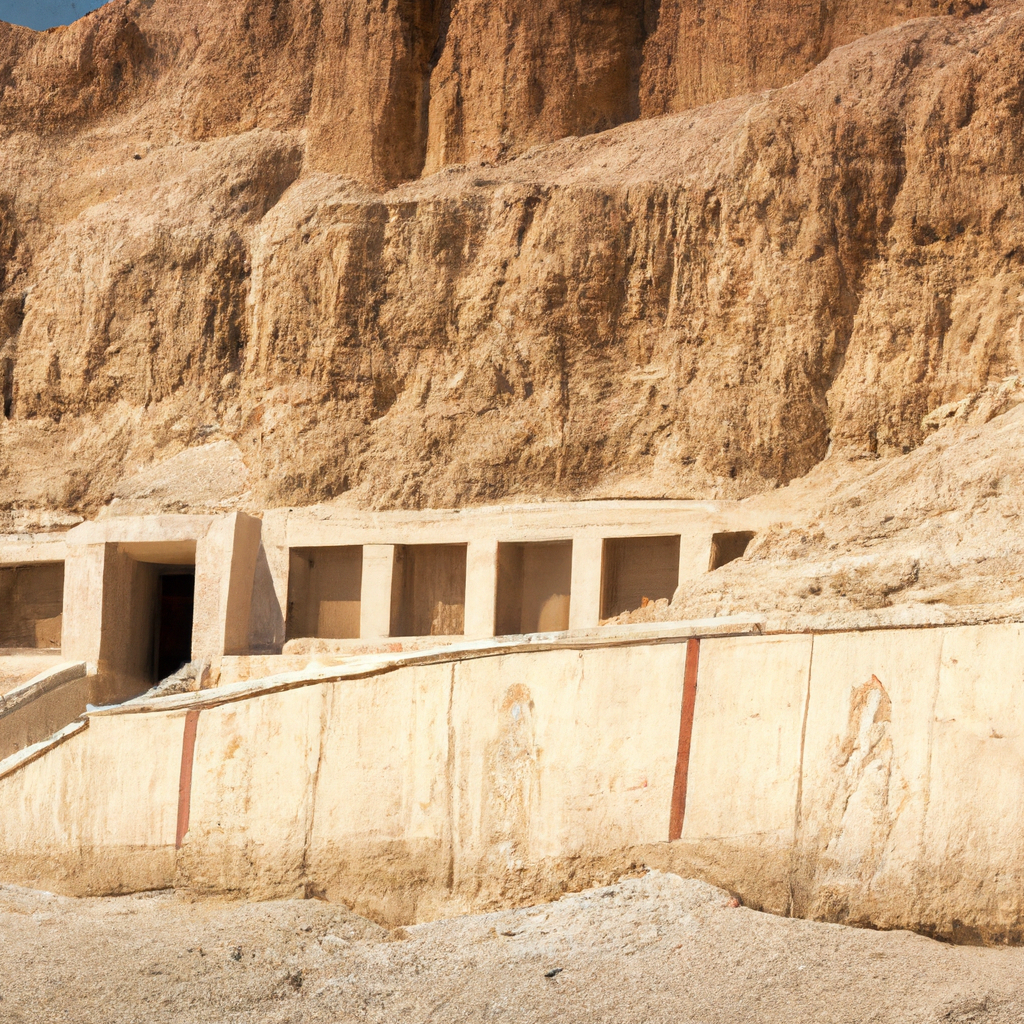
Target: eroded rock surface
x: 929, y: 537
x: 404, y: 255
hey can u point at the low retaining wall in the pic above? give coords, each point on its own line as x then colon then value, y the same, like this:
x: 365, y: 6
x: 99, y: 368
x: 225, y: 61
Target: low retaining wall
x: 873, y: 778
x: 43, y: 705
x: 96, y: 814
x: 870, y: 777
x: 438, y: 788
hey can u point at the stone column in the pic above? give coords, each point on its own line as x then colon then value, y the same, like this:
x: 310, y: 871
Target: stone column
x: 84, y: 570
x: 375, y: 593
x: 585, y: 600
x: 481, y: 587
x: 225, y: 566
x: 694, y: 554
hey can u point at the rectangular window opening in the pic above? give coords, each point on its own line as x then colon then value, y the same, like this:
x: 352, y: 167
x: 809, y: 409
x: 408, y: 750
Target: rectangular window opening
x: 428, y: 591
x: 534, y: 584
x: 636, y: 571
x: 325, y: 592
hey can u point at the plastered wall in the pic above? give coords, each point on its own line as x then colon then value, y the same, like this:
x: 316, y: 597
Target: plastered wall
x: 441, y: 788
x: 96, y: 815
x: 913, y: 788
x: 874, y: 778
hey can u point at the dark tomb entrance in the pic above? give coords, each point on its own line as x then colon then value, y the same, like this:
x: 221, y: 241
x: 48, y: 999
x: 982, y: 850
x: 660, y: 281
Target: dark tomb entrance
x: 175, y: 603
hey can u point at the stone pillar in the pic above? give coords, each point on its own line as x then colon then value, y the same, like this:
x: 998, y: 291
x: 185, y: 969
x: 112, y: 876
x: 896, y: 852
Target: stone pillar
x: 269, y: 610
x: 225, y: 566
x: 694, y: 554
x: 84, y: 570
x: 126, y: 632
x: 481, y: 587
x: 236, y: 590
x: 375, y: 593
x: 585, y: 600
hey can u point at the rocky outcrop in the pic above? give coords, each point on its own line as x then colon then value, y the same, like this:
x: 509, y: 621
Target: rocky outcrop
x: 403, y: 254
x: 926, y: 538
x: 386, y: 90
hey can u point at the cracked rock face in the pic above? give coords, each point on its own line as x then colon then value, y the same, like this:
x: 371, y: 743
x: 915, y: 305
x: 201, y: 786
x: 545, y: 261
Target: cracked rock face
x: 431, y: 254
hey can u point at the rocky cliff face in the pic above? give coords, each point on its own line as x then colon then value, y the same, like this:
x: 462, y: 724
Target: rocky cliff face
x: 389, y: 90
x: 439, y: 253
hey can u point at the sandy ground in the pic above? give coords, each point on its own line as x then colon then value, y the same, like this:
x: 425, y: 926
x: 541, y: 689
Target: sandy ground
x: 653, y: 949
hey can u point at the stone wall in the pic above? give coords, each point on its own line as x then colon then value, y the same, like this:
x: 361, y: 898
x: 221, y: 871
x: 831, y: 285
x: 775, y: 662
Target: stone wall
x: 44, y: 705
x: 96, y: 814
x: 872, y: 778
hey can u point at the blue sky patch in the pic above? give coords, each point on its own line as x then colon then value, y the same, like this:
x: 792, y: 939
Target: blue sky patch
x: 40, y: 14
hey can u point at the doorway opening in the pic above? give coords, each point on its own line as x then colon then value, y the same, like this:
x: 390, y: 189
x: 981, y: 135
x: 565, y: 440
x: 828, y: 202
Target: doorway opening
x: 173, y: 634
x: 534, y: 583
x: 148, y: 605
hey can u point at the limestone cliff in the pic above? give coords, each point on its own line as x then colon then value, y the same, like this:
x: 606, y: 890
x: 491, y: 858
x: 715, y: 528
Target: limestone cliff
x: 433, y: 253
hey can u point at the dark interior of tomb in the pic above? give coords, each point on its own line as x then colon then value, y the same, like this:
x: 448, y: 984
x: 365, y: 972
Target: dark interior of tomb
x: 175, y: 605
x: 727, y: 547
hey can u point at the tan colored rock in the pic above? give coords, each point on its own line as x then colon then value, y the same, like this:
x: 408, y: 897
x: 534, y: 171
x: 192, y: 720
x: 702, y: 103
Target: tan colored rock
x: 700, y: 304
x: 930, y: 537
x: 384, y: 88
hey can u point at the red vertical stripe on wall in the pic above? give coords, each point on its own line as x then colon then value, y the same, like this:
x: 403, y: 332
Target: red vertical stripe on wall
x: 675, y: 823
x: 188, y: 748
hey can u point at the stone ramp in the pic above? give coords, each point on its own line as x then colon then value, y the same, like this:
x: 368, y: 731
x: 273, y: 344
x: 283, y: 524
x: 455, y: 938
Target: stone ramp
x: 42, y: 706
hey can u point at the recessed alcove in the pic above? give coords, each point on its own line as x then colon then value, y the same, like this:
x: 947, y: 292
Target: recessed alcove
x: 428, y: 591
x: 727, y: 547
x: 637, y: 568
x: 324, y: 592
x: 32, y: 605
x: 534, y: 583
